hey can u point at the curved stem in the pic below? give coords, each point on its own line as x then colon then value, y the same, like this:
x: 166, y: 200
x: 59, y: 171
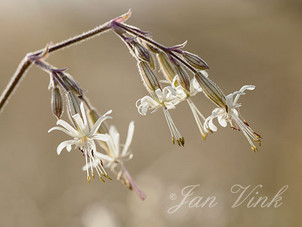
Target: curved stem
x: 26, y: 62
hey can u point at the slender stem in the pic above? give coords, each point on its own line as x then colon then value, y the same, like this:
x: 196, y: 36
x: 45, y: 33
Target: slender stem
x: 154, y: 43
x: 26, y: 62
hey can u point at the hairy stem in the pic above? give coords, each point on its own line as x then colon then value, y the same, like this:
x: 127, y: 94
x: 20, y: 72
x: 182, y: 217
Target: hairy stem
x: 26, y: 62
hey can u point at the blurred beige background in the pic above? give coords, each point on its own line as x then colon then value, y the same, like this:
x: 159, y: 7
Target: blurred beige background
x: 244, y: 42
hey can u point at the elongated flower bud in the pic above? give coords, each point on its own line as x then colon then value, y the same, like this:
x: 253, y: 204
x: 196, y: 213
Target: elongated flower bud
x: 149, y: 79
x: 166, y: 66
x: 72, y: 85
x: 56, y: 102
x: 151, y: 51
x: 184, y: 79
x: 141, y: 52
x: 211, y: 90
x: 152, y: 48
x: 73, y: 104
x: 195, y: 61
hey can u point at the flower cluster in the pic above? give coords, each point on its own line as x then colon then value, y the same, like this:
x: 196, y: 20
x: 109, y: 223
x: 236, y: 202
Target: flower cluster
x: 175, y: 64
x: 88, y: 129
x: 185, y: 75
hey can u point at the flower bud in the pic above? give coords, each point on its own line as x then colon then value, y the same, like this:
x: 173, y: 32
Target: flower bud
x: 183, y: 78
x: 71, y: 84
x: 149, y: 79
x: 73, y: 103
x: 195, y: 61
x: 56, y: 102
x: 166, y: 66
x: 211, y: 90
x: 141, y: 52
x: 152, y: 48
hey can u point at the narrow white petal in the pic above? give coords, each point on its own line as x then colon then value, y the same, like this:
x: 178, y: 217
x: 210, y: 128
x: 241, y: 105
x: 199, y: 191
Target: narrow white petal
x: 102, y: 137
x: 103, y: 157
x: 98, y: 123
x: 241, y: 91
x: 64, y: 144
x: 67, y: 126
x: 83, y: 112
x: 129, y: 138
x: 247, y: 87
x: 79, y: 122
x: 61, y: 129
x: 115, y: 136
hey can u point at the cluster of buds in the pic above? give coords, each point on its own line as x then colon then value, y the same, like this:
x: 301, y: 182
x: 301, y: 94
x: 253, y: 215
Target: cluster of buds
x: 175, y: 66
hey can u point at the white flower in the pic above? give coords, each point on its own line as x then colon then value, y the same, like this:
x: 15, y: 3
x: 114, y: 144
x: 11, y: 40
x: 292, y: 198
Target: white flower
x: 166, y: 99
x: 231, y: 115
x: 185, y: 95
x: 115, y: 158
x: 83, y: 137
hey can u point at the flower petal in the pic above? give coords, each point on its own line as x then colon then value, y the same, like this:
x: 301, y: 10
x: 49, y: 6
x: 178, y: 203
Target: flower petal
x: 83, y: 112
x: 222, y: 121
x: 98, y: 123
x: 129, y: 138
x: 64, y: 144
x: 67, y: 126
x: 103, y: 137
x: 245, y: 87
x: 61, y: 129
x: 115, y: 136
x: 212, y: 126
x: 80, y: 123
x: 103, y: 157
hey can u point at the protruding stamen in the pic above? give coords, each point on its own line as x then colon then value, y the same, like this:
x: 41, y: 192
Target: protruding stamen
x: 254, y: 148
x: 88, y: 179
x: 175, y: 135
x: 102, y: 179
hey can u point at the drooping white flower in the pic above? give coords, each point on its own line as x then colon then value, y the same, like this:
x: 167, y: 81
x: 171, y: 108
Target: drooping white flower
x: 165, y: 99
x: 116, y: 156
x: 231, y: 115
x: 83, y: 138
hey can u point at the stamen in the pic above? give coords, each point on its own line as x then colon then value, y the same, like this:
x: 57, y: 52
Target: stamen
x: 173, y: 130
x: 88, y: 179
x: 197, y: 115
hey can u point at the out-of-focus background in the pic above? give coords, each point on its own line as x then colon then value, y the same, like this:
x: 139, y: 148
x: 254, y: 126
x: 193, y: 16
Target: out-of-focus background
x: 244, y: 42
